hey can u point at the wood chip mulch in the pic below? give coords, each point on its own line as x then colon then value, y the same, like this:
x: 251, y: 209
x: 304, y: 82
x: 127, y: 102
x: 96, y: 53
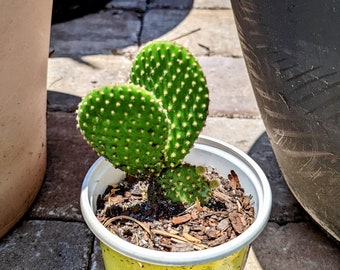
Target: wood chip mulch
x: 133, y: 212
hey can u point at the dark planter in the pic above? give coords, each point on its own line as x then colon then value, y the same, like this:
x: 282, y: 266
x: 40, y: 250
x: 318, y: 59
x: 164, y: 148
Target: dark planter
x: 292, y: 52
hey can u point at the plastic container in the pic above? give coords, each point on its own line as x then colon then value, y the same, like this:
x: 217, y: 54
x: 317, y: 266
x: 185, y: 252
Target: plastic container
x: 119, y: 254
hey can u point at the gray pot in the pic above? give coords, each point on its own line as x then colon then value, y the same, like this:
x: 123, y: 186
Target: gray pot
x: 292, y: 53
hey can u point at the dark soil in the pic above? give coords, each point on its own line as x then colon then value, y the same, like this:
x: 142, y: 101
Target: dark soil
x: 136, y: 212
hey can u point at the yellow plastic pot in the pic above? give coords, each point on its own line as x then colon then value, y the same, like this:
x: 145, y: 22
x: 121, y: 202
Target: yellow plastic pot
x: 119, y: 254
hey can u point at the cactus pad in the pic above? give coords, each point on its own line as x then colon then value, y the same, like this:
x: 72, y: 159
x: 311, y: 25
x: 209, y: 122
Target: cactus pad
x: 127, y: 125
x: 185, y: 184
x: 173, y: 74
x: 150, y: 125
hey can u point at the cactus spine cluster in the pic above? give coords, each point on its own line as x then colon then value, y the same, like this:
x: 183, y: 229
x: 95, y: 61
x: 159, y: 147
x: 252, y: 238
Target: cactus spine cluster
x: 148, y: 125
x: 173, y: 74
x: 127, y: 125
x: 185, y: 183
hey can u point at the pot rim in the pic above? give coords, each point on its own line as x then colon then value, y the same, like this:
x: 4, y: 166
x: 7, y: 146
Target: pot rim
x: 264, y: 202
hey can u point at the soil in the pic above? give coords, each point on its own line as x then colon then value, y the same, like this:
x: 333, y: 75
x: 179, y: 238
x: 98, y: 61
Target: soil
x: 135, y: 212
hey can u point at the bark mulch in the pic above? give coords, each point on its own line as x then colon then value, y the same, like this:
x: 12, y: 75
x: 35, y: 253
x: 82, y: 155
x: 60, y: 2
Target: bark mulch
x: 133, y: 211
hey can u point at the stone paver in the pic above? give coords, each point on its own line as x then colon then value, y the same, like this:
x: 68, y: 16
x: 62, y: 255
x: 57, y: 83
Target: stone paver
x: 68, y: 159
x: 296, y: 246
x: 138, y: 5
x: 96, y: 257
x: 173, y: 4
x: 205, y: 32
x: 59, y: 101
x: 78, y: 77
x: 42, y: 244
x: 188, y: 4
x: 224, y: 129
x: 227, y: 78
x: 212, y: 4
x: 230, y: 89
x: 98, y: 33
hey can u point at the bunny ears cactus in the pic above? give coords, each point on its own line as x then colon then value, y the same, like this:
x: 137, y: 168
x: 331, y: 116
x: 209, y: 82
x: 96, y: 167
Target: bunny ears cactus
x: 151, y: 123
x: 175, y: 77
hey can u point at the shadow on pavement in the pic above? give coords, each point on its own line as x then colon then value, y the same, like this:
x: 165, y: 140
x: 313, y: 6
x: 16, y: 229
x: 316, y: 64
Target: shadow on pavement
x: 65, y: 10
x: 57, y: 101
x: 88, y: 29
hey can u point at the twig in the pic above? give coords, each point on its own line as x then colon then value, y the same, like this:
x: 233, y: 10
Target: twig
x: 186, y: 34
x: 174, y: 236
x: 107, y: 223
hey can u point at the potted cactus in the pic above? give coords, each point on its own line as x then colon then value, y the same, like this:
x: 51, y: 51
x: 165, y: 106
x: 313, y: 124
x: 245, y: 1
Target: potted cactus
x: 149, y: 129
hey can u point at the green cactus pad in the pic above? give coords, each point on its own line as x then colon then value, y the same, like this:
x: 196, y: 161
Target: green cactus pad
x: 173, y: 74
x: 127, y: 125
x: 185, y: 183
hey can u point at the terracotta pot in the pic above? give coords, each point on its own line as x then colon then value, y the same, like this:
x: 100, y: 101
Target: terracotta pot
x: 24, y: 42
x: 119, y: 254
x: 292, y: 52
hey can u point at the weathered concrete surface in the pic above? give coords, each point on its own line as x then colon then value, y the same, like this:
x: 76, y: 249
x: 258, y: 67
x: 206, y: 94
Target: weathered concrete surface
x: 42, y: 244
x: 98, y: 33
x: 138, y: 5
x: 296, y: 246
x: 227, y: 78
x: 230, y: 89
x: 205, y: 32
x: 96, y: 257
x: 78, y: 77
x: 225, y: 129
x: 68, y: 159
x: 212, y: 4
x: 174, y: 4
